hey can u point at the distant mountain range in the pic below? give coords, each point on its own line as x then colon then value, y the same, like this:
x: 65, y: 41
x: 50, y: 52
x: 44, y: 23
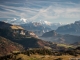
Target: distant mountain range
x: 19, y: 21
x: 59, y: 38
x: 73, y: 29
x: 40, y: 27
x: 44, y: 26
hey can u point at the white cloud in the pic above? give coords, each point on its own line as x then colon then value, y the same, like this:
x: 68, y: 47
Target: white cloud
x: 55, y: 10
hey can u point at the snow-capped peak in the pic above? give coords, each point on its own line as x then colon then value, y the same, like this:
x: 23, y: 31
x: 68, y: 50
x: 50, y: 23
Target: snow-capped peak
x: 19, y: 21
x: 45, y: 22
x: 24, y: 20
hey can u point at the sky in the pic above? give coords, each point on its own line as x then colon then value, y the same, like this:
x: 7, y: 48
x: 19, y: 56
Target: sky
x: 64, y: 11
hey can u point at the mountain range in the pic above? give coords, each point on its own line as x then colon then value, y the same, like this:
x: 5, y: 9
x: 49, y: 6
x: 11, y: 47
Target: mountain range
x: 40, y: 27
x: 24, y: 39
x: 73, y: 29
x: 17, y: 34
x: 59, y: 38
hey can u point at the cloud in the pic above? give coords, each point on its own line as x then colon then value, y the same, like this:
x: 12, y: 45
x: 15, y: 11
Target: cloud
x: 41, y: 10
x: 52, y: 12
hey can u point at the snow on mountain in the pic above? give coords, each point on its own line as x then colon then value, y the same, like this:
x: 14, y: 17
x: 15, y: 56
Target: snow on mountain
x: 39, y: 27
x: 44, y: 24
x: 24, y: 20
x: 19, y: 21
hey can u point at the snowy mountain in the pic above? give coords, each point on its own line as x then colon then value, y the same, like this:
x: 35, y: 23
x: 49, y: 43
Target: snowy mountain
x: 38, y: 27
x: 16, y: 21
x: 19, y: 21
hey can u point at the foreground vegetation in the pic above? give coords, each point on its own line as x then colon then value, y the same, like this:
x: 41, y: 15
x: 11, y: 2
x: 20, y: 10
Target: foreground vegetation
x: 42, y: 57
x: 43, y: 54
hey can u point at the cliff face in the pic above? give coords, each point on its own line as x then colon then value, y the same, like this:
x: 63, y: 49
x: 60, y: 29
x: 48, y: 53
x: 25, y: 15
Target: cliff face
x: 14, y: 30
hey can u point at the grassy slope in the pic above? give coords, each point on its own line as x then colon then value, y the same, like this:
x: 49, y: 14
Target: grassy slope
x: 44, y: 57
x: 7, y: 46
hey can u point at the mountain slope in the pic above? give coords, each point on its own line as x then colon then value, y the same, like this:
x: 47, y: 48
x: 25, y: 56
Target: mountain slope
x: 58, y: 38
x: 73, y: 29
x: 7, y: 46
x: 4, y: 25
x: 29, y: 40
x: 32, y: 42
x: 50, y: 34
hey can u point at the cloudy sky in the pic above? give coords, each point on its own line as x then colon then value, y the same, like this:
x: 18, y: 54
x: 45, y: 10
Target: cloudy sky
x: 65, y: 11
